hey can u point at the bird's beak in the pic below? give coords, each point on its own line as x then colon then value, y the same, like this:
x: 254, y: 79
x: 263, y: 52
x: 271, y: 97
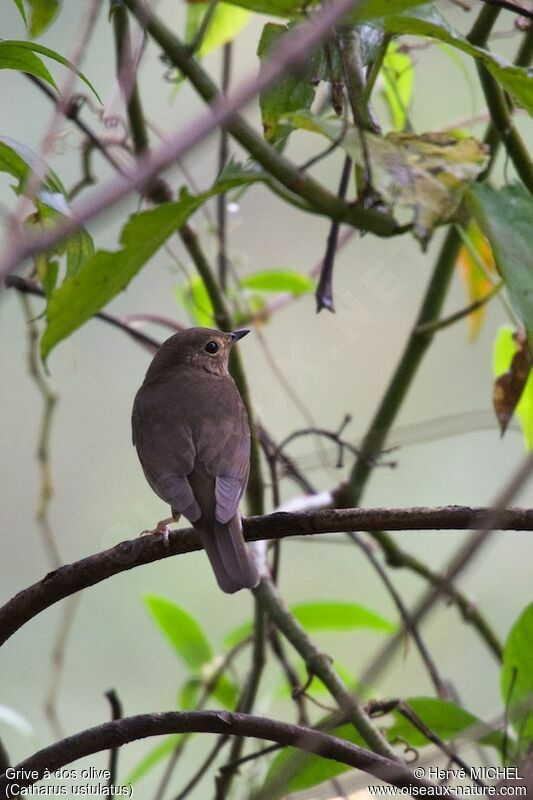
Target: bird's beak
x: 236, y: 335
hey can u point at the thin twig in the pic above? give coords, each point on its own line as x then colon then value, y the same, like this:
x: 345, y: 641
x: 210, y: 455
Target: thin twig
x: 202, y: 769
x: 25, y: 286
x: 223, y: 151
x: 116, y: 713
x: 324, y: 290
x: 456, y: 565
x: 86, y: 30
x: 208, y: 689
x: 246, y: 702
x: 408, y: 623
x: 445, y: 322
x: 407, y: 712
x: 292, y: 50
x: 49, y: 397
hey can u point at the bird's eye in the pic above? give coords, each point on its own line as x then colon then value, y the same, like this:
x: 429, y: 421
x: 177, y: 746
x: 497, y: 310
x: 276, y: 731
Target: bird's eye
x: 212, y: 348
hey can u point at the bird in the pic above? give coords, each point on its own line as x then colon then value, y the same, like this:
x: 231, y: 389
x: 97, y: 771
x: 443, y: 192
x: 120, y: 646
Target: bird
x: 191, y: 432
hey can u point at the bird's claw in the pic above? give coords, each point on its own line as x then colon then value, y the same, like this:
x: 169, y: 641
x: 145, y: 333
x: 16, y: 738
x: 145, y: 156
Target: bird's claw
x: 161, y: 527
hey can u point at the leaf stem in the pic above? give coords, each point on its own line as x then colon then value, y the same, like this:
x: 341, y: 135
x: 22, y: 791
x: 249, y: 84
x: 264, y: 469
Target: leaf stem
x: 501, y: 120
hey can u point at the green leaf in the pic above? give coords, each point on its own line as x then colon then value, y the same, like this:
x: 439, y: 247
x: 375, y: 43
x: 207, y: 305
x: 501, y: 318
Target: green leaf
x: 339, y: 616
x: 293, y: 770
x: 13, y: 56
x: 445, y: 719
x: 504, y: 350
x: 517, y: 675
x: 194, y: 298
x: 420, y: 179
x: 42, y: 14
x: 30, y: 48
x: 22, y: 11
x: 398, y: 76
x: 226, y: 692
x: 188, y: 694
x: 153, y: 758
x: 324, y: 616
x: 226, y: 24
x: 292, y: 92
x: 505, y: 217
x: 371, y: 9
x: 107, y: 273
x: 279, y: 281
x: 19, y: 161
x: 182, y: 630
x: 427, y: 21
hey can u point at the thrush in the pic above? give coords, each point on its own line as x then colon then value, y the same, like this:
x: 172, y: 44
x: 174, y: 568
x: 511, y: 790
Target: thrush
x: 192, y: 436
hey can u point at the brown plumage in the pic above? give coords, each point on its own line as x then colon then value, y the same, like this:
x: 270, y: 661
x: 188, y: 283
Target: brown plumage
x: 192, y: 436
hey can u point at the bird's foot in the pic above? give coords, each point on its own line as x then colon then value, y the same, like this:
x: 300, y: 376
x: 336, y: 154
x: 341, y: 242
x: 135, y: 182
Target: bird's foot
x: 161, y: 527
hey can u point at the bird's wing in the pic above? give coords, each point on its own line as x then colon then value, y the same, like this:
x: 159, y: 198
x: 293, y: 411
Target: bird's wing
x: 166, y: 452
x: 224, y: 449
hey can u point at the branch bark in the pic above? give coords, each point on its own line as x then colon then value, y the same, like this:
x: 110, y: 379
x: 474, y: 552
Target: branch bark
x: 119, y: 732
x: 144, y: 550
x: 294, y: 49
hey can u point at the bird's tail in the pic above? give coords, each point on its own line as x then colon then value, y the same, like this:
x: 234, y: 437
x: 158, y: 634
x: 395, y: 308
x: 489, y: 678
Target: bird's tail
x: 229, y: 556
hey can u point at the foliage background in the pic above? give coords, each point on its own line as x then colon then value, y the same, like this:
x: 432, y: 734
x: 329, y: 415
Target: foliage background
x: 336, y: 364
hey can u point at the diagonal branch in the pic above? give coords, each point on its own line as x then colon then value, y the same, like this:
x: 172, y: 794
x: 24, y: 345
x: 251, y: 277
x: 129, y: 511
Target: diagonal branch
x: 291, y: 52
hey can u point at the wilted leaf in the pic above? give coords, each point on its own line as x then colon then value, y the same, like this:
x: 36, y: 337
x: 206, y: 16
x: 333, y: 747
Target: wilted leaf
x: 427, y: 21
x: 513, y: 389
x: 42, y: 14
x: 475, y: 279
x: 398, y: 75
x: 182, y: 631
x: 517, y: 676
x: 505, y: 217
x: 24, y: 52
x: 445, y: 719
x: 421, y: 179
x: 279, y: 281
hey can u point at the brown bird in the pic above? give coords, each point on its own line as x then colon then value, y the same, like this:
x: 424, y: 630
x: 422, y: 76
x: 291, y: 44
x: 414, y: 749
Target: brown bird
x: 192, y: 436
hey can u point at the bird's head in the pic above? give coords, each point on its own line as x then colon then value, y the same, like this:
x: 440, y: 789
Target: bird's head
x: 203, y: 348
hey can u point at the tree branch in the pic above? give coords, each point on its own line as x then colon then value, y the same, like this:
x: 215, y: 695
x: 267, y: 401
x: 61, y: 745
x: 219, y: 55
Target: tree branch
x: 119, y: 732
x: 320, y: 664
x: 291, y: 52
x: 146, y: 549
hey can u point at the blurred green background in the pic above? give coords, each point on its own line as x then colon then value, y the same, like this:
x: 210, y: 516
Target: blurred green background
x: 335, y: 363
